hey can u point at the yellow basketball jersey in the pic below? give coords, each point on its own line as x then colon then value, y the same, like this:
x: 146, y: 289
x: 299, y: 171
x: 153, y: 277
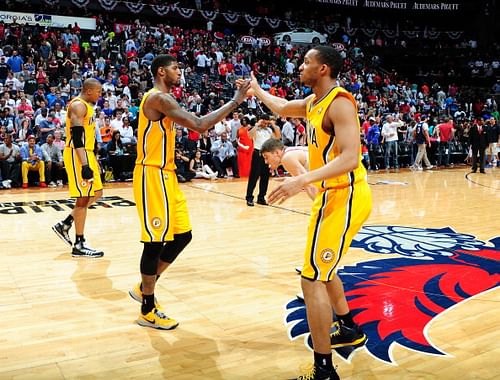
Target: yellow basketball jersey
x: 88, y: 126
x: 322, y: 146
x: 155, y: 140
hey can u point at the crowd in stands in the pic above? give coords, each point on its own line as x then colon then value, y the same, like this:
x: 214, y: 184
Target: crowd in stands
x: 41, y: 69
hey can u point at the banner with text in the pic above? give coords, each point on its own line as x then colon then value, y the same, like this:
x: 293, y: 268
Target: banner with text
x: 398, y: 5
x: 52, y: 21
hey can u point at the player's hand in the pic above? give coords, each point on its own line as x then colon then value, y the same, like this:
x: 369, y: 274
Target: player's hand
x: 241, y: 91
x: 289, y: 188
x: 254, y: 84
x: 87, y: 172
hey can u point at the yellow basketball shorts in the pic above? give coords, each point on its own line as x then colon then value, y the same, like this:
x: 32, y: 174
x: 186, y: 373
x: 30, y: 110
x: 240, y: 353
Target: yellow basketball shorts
x: 336, y: 217
x: 79, y: 187
x: 160, y: 203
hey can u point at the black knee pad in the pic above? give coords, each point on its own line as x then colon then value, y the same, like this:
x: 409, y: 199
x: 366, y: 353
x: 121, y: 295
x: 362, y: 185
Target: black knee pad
x: 149, y: 258
x: 172, y: 249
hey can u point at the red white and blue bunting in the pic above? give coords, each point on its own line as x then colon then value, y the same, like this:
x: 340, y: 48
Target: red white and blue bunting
x: 209, y: 15
x: 454, y: 35
x: 185, y: 12
x: 390, y: 33
x: 291, y: 24
x: 161, y: 10
x: 252, y: 20
x: 109, y: 5
x: 231, y: 18
x: 81, y: 3
x: 411, y: 34
x: 273, y: 22
x: 369, y: 32
x: 431, y: 34
x: 134, y: 7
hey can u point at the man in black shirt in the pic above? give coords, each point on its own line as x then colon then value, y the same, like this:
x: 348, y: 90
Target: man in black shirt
x: 4, y: 69
x: 30, y: 85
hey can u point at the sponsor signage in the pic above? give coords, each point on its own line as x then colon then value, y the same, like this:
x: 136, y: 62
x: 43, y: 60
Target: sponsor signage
x: 52, y: 21
x: 401, y: 5
x: 338, y: 46
x: 249, y: 40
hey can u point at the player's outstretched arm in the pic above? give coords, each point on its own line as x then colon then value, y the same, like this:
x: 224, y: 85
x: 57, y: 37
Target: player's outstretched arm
x: 280, y: 106
x: 165, y: 104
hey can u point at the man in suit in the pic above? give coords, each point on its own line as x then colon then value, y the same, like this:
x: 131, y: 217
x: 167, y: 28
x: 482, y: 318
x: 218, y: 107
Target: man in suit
x: 478, y: 142
x: 199, y: 108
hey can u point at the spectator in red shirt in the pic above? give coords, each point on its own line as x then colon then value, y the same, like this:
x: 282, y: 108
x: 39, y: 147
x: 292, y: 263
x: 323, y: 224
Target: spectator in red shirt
x: 445, y: 132
x: 132, y: 53
x: 222, y: 70
x: 425, y: 89
x: 365, y: 126
x: 300, y: 132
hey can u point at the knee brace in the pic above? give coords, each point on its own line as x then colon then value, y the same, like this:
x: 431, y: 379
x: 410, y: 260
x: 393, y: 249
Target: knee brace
x: 172, y: 249
x: 149, y: 258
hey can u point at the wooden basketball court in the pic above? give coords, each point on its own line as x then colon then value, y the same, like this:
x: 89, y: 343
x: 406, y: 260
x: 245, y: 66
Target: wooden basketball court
x: 67, y: 318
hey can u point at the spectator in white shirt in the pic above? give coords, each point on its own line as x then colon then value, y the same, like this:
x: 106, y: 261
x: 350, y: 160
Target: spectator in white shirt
x: 390, y: 135
x: 201, y: 62
x: 127, y: 132
x: 117, y: 121
x: 108, y: 85
x: 112, y: 99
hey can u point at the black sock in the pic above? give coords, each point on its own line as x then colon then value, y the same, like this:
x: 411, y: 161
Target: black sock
x: 69, y: 220
x: 346, y: 320
x: 148, y: 303
x: 79, y: 239
x: 157, y: 277
x: 323, y: 360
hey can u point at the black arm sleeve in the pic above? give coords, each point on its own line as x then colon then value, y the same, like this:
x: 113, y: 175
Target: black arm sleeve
x: 77, y: 132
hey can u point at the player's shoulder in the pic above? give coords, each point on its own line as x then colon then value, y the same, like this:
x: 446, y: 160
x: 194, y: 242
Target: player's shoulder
x: 77, y: 104
x: 161, y: 97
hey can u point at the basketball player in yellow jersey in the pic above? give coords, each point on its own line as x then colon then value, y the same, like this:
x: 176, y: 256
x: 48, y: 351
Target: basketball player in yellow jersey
x: 163, y: 215
x: 341, y: 207
x: 81, y: 166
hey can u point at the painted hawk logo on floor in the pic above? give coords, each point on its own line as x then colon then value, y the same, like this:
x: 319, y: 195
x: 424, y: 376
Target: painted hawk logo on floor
x: 395, y: 299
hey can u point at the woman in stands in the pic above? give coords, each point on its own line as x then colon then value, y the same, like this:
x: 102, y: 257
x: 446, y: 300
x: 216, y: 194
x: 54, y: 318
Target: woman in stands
x: 200, y: 169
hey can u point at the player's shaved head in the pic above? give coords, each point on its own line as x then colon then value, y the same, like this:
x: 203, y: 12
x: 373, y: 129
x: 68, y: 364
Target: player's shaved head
x: 91, y: 83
